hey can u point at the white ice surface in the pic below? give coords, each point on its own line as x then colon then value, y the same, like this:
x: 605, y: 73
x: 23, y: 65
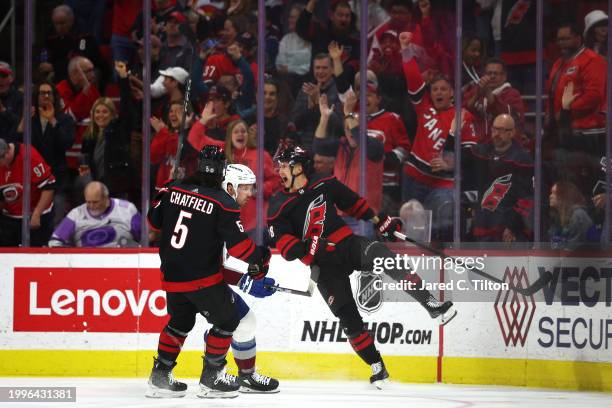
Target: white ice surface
x: 116, y: 393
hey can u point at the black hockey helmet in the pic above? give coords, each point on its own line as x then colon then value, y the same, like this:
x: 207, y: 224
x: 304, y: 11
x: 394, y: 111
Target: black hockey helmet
x: 211, y: 161
x: 293, y: 155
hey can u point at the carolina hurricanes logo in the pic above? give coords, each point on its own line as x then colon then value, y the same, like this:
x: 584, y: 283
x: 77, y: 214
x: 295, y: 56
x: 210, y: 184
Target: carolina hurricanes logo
x: 315, y: 218
x: 496, y: 193
x: 11, y: 192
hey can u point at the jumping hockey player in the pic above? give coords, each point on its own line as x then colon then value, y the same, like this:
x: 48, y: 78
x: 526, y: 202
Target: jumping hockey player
x: 305, y: 225
x: 195, y: 218
x: 239, y: 183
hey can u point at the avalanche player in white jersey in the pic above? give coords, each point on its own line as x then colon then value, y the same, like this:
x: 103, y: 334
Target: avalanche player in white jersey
x: 101, y: 222
x: 238, y: 183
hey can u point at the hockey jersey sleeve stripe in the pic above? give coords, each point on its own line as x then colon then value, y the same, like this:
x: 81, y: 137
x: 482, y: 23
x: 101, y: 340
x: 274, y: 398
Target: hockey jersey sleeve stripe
x: 243, y: 249
x: 285, y: 243
x: 237, y: 210
x: 359, y: 208
x: 341, y: 233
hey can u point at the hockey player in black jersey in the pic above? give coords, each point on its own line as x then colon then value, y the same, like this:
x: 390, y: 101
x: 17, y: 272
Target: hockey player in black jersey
x: 195, y: 218
x: 305, y: 225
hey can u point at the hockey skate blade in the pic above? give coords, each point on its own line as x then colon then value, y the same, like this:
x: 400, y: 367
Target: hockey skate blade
x: 445, y: 318
x: 154, y: 392
x: 206, y: 392
x: 247, y: 390
x: 380, y: 384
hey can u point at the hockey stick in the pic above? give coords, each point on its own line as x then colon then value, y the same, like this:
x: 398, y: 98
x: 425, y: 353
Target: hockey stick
x: 307, y: 293
x: 528, y: 291
x: 287, y: 290
x: 181, y: 139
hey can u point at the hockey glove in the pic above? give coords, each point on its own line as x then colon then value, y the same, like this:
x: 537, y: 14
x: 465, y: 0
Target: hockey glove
x: 257, y: 288
x: 386, y: 226
x: 316, y: 249
x: 258, y: 270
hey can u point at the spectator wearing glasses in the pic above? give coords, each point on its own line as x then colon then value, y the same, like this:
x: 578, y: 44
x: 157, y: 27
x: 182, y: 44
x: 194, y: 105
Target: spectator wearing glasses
x: 493, y: 96
x: 52, y: 135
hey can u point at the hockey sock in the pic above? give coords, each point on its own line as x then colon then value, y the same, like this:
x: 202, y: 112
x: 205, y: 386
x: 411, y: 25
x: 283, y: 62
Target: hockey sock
x: 363, y: 344
x: 170, y: 344
x: 244, y: 354
x: 217, y: 343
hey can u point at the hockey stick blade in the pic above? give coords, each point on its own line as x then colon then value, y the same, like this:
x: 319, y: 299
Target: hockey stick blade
x: 527, y: 291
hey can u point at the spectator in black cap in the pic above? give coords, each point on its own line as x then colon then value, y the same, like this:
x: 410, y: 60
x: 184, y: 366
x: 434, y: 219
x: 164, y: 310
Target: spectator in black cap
x: 11, y: 102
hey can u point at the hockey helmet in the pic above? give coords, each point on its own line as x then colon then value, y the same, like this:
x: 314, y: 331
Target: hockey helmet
x: 211, y: 161
x: 293, y: 155
x: 237, y: 174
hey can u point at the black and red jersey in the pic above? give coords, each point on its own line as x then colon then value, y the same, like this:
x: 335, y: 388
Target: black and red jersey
x: 433, y: 129
x: 11, y: 182
x: 311, y: 212
x: 505, y: 191
x: 195, y: 222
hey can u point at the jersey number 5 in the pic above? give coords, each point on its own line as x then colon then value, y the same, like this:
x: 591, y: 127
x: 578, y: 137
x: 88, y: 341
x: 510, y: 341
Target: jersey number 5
x: 180, y: 231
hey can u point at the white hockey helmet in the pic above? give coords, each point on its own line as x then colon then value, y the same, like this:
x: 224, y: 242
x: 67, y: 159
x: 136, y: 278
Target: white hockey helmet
x: 237, y: 174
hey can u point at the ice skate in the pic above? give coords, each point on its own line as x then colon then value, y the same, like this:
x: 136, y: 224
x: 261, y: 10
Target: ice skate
x: 162, y: 384
x: 444, y: 312
x: 257, y: 383
x: 216, y: 383
x: 379, y: 375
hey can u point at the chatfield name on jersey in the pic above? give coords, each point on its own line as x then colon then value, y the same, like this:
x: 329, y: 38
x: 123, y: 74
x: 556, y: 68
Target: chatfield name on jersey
x: 190, y: 201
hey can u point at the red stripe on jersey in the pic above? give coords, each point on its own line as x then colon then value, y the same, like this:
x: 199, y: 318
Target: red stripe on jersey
x: 339, y: 234
x: 243, y: 249
x: 285, y: 243
x: 207, y: 198
x: 359, y: 208
x: 193, y: 285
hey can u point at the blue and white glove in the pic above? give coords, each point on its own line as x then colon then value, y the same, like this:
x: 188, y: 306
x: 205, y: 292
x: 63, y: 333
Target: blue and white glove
x: 256, y: 288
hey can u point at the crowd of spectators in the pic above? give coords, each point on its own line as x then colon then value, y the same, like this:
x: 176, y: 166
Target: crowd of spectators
x: 86, y: 118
